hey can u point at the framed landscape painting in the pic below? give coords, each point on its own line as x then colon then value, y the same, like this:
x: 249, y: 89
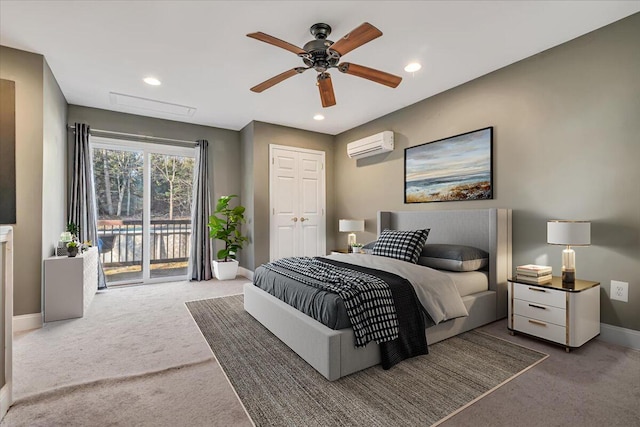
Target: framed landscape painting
x: 451, y: 169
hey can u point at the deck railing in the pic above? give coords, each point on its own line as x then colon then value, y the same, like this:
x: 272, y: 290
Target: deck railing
x: 120, y: 241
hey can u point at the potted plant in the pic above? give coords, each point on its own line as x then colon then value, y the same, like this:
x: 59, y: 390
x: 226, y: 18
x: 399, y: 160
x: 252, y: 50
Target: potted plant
x: 72, y: 248
x: 356, y: 248
x: 224, y: 225
x: 74, y: 229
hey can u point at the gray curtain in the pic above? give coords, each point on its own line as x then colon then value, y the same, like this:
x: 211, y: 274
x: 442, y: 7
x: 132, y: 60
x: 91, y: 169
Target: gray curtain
x: 200, y: 256
x: 82, y: 202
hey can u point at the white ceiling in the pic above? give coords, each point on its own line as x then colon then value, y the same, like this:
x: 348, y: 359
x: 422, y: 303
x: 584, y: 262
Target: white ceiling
x: 199, y: 50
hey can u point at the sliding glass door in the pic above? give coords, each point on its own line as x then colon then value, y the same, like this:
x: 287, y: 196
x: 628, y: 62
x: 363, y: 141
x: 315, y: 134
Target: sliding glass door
x: 118, y: 175
x: 170, y: 228
x: 143, y: 197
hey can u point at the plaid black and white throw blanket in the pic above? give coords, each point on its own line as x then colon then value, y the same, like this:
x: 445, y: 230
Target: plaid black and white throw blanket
x: 367, y: 298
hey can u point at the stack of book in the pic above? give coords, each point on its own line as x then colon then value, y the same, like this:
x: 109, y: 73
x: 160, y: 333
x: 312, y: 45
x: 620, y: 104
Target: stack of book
x: 532, y: 273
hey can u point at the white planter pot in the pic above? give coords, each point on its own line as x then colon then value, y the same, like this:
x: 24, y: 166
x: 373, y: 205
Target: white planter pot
x: 225, y: 270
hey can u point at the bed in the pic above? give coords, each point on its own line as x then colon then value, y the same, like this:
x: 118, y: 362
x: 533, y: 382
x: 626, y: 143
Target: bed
x: 333, y: 353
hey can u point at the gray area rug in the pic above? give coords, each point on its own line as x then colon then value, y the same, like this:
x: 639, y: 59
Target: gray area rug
x: 278, y: 388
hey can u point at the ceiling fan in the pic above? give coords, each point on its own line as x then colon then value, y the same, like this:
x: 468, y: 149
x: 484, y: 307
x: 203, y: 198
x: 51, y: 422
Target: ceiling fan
x: 322, y: 54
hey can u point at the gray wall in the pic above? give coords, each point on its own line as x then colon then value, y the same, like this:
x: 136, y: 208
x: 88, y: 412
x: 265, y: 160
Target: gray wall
x: 54, y: 168
x: 260, y: 135
x: 566, y: 146
x: 26, y: 69
x: 224, y: 145
x: 247, y: 255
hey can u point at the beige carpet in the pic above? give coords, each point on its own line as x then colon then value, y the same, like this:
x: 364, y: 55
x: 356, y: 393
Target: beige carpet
x: 126, y: 331
x: 171, y: 397
x: 278, y: 388
x: 135, y: 359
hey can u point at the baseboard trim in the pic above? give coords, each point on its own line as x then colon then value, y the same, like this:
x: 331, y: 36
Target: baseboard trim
x: 620, y: 336
x: 26, y: 322
x: 245, y: 273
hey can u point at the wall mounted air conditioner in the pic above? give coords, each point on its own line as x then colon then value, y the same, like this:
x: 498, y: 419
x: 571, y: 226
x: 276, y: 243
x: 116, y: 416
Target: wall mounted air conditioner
x: 370, y: 146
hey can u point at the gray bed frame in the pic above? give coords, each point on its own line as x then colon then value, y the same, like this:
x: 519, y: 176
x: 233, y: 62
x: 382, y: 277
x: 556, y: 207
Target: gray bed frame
x: 333, y: 353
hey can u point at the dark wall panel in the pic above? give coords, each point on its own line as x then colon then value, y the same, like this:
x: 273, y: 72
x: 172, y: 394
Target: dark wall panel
x: 7, y: 152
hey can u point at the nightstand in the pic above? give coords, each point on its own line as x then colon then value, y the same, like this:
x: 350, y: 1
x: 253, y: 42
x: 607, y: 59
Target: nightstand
x: 567, y: 314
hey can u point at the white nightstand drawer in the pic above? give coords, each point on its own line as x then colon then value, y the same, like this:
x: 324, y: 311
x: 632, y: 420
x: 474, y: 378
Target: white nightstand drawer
x: 540, y: 295
x: 545, y: 313
x: 545, y: 330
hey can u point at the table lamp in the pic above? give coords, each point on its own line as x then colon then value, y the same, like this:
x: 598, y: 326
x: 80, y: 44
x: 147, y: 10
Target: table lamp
x: 349, y: 226
x: 569, y: 233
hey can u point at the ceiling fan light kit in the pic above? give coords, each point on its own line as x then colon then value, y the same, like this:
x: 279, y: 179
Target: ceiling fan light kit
x: 323, y: 54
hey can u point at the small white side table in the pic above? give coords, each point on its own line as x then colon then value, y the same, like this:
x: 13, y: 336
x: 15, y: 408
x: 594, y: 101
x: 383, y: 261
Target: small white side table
x: 70, y: 284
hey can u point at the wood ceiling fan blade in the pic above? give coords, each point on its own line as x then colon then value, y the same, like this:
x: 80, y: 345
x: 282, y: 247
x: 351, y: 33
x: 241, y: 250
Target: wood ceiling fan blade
x: 356, y: 38
x: 327, y: 96
x: 277, y: 79
x: 277, y: 42
x: 370, y: 74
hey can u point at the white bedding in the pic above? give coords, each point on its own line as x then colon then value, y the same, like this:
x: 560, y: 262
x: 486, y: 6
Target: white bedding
x: 436, y: 291
x: 469, y: 282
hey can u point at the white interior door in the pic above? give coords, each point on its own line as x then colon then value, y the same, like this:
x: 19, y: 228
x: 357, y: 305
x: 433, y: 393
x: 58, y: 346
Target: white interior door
x: 297, y: 198
x: 310, y: 204
x: 284, y: 210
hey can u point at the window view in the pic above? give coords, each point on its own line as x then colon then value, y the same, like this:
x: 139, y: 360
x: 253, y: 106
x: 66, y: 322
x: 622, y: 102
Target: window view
x: 121, y: 204
x: 171, y: 182
x: 118, y: 184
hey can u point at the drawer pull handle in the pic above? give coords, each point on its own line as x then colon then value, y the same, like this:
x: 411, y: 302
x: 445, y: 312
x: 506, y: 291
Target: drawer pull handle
x: 537, y: 289
x: 537, y: 306
x: 535, y: 322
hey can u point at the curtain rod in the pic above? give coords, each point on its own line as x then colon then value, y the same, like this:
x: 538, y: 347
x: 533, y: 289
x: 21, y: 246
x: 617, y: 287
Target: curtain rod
x: 146, y: 138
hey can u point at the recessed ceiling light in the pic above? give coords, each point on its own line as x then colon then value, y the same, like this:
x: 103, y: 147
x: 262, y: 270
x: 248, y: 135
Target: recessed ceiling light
x: 318, y: 117
x: 152, y: 81
x: 413, y: 67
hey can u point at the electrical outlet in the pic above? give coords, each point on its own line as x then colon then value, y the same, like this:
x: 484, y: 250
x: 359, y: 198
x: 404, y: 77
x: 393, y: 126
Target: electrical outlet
x: 619, y: 291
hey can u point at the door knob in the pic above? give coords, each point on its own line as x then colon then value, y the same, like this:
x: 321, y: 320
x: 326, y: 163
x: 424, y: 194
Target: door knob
x: 303, y: 219
x: 294, y: 219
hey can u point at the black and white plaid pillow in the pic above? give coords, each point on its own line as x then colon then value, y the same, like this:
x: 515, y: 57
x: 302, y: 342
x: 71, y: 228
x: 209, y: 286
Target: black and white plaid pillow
x: 402, y: 245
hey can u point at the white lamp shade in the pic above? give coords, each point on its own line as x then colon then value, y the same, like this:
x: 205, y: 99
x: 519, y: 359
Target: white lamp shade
x: 351, y: 225
x: 571, y: 233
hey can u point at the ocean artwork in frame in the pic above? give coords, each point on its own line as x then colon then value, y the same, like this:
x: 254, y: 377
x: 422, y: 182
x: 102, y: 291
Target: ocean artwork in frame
x: 450, y: 169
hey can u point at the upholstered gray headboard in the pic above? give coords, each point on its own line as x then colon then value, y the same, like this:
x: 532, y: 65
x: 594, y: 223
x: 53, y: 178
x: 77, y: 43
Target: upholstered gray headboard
x: 487, y: 229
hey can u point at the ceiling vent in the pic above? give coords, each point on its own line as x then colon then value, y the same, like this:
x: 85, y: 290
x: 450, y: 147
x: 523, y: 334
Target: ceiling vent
x: 123, y: 100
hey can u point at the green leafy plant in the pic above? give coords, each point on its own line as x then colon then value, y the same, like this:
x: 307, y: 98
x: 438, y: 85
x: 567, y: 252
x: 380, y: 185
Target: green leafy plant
x: 73, y: 228
x: 73, y: 244
x: 224, y: 225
